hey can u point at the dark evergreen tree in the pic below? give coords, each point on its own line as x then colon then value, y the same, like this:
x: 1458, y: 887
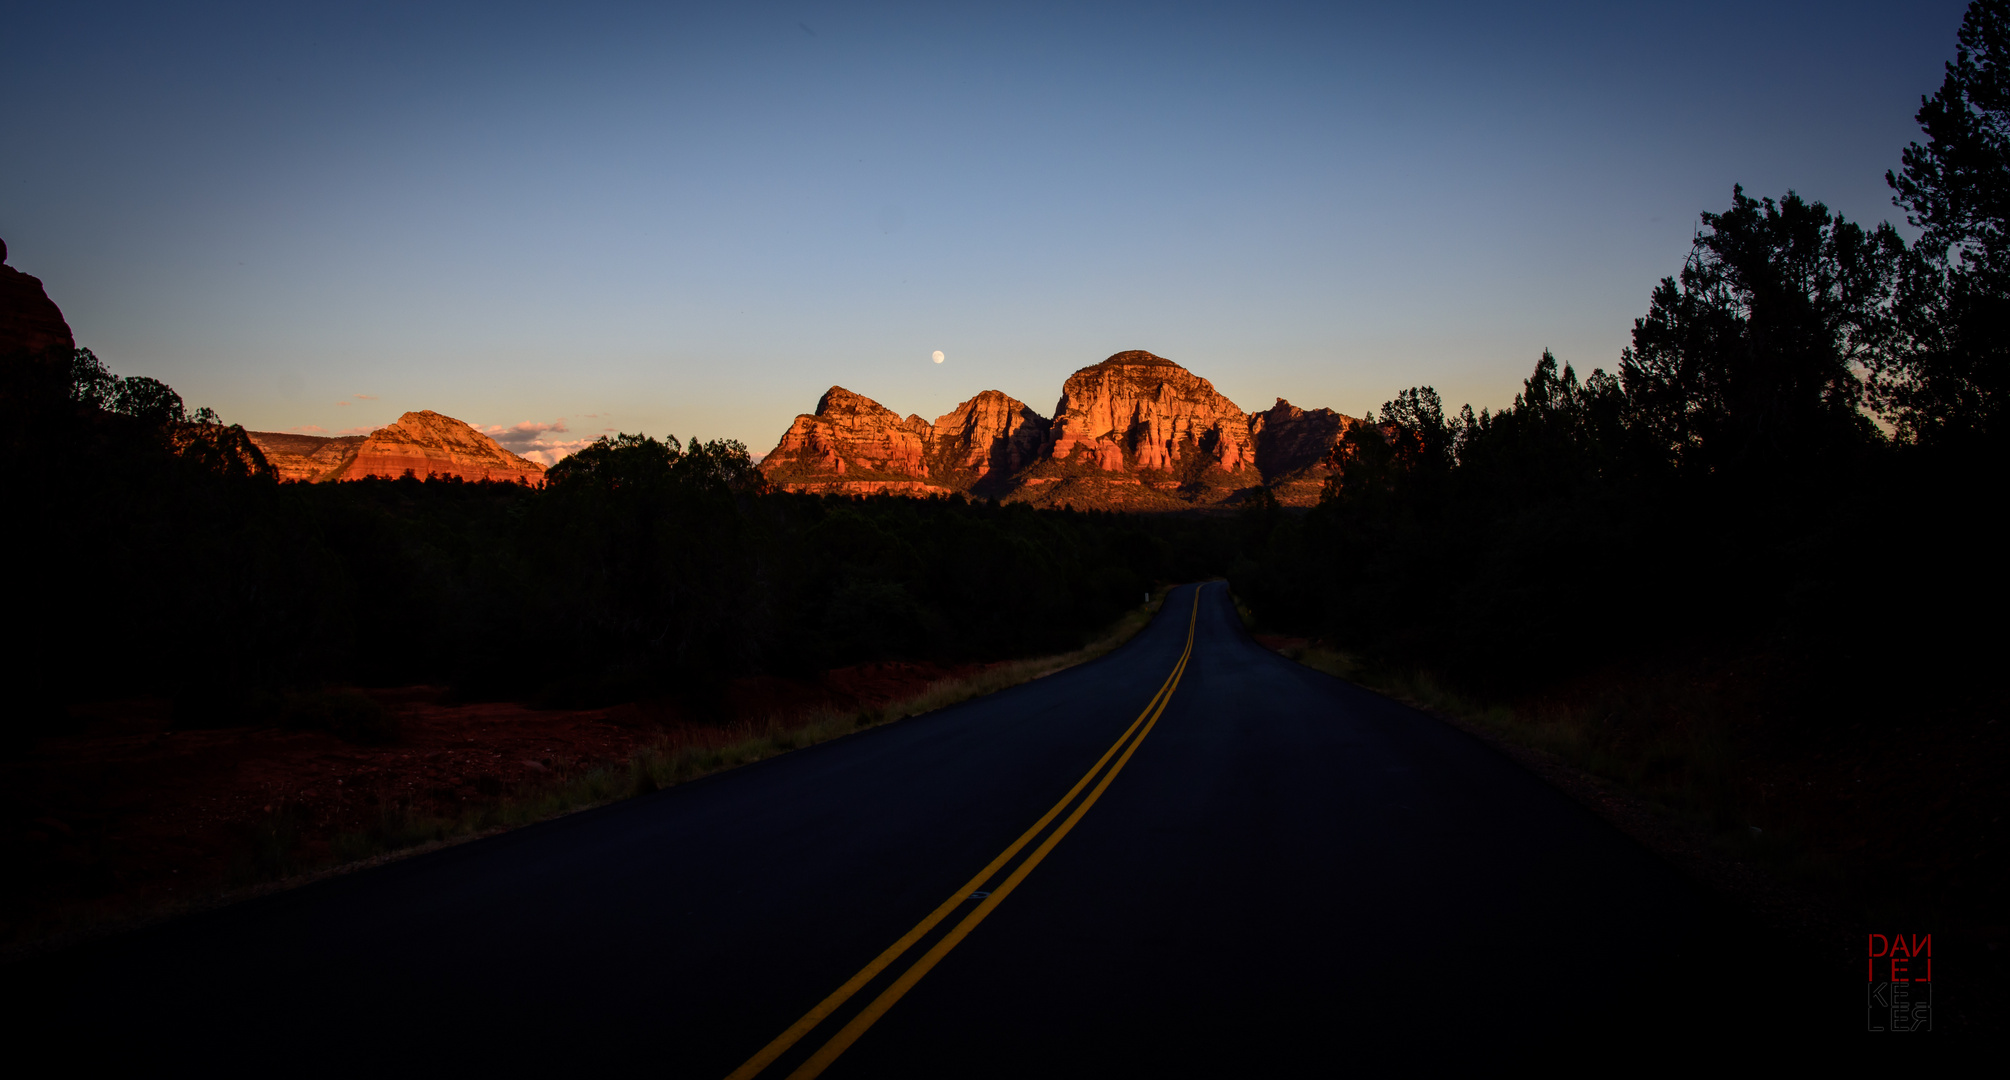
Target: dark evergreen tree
x: 1751, y: 359
x: 1943, y: 376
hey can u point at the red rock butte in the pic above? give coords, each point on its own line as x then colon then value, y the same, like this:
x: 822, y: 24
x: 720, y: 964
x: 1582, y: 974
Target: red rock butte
x: 1135, y: 432
x: 422, y: 443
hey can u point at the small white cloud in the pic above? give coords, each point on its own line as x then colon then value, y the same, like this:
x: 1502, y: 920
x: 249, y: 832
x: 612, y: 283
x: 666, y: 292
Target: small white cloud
x: 342, y: 403
x: 551, y: 453
x: 366, y: 397
x: 532, y: 439
x: 307, y: 429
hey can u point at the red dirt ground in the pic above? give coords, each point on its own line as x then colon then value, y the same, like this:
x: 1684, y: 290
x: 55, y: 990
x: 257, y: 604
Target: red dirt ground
x: 127, y: 815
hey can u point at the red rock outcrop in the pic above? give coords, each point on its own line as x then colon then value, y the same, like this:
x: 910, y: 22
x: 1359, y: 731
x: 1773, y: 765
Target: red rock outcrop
x: 1135, y: 432
x: 983, y: 444
x: 307, y: 458
x: 1146, y: 412
x: 853, y: 444
x: 1164, y: 432
x: 30, y: 322
x: 422, y: 443
x: 1291, y: 448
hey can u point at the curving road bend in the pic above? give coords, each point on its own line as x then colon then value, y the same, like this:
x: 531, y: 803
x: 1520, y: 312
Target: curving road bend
x: 1190, y: 857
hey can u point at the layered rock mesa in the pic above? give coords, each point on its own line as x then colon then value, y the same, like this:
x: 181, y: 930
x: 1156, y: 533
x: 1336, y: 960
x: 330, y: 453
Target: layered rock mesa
x: 422, y: 443
x: 307, y: 458
x: 1135, y: 432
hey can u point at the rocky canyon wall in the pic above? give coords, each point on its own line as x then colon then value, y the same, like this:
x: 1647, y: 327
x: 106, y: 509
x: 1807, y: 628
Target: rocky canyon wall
x: 1135, y: 432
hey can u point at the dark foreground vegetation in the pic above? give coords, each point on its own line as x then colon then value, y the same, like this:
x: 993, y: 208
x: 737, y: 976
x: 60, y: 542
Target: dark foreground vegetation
x: 165, y: 560
x: 1755, y: 572
x: 227, y: 680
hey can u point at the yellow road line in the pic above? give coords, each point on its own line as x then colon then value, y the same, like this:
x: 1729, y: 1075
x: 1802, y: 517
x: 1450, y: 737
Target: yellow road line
x: 858, y: 1025
x: 870, y: 1015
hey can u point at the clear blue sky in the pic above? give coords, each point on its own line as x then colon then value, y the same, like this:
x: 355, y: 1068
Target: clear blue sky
x: 691, y: 220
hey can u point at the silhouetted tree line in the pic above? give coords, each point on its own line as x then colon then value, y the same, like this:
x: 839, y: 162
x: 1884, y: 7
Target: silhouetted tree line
x: 154, y: 553
x: 1800, y: 454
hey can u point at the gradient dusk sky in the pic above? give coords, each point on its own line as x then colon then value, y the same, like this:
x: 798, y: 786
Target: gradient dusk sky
x: 695, y: 219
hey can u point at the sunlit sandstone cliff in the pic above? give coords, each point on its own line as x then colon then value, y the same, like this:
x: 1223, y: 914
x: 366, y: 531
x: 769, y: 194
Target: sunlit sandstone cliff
x: 1139, y: 432
x: 309, y: 458
x: 982, y: 445
x: 1135, y: 432
x: 422, y: 443
x: 853, y: 444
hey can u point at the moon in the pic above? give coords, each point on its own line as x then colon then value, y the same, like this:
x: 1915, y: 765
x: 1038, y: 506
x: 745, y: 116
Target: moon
x: 938, y: 356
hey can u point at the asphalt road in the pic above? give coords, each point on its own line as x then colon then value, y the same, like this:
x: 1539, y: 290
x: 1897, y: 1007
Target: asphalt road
x: 1287, y: 874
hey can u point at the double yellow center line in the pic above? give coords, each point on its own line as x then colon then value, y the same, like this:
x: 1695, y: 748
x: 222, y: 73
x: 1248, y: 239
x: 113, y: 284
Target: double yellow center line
x: 866, y: 1017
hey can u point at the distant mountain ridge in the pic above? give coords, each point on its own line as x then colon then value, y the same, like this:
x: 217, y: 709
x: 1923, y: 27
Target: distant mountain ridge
x: 423, y: 443
x: 1135, y: 432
